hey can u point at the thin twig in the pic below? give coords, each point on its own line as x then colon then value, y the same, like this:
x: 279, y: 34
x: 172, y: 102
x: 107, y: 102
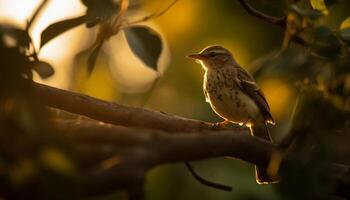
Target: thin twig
x: 154, y: 15
x: 268, y: 18
x: 123, y: 8
x: 280, y: 21
x: 207, y: 182
x: 36, y: 13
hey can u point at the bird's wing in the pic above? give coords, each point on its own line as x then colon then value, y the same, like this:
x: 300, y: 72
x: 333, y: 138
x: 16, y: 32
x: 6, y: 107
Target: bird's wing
x: 247, y: 84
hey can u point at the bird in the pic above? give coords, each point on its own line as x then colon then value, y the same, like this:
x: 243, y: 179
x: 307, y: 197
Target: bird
x: 234, y: 95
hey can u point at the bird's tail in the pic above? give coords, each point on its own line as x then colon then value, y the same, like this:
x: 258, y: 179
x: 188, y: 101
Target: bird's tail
x: 262, y: 177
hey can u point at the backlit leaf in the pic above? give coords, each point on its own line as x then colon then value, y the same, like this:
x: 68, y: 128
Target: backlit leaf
x: 311, y: 14
x: 22, y: 172
x: 44, y: 69
x: 319, y: 5
x: 21, y: 36
x: 56, y: 160
x: 145, y: 43
x: 345, y: 24
x: 58, y: 28
x: 93, y: 57
x: 345, y: 34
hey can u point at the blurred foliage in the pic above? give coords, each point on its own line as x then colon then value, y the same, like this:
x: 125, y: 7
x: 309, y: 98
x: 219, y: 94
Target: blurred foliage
x: 33, y: 163
x: 312, y: 65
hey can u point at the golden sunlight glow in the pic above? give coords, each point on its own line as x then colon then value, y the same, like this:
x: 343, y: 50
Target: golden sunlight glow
x: 278, y: 94
x: 131, y: 74
x: 100, y: 83
x: 238, y: 51
x: 182, y: 15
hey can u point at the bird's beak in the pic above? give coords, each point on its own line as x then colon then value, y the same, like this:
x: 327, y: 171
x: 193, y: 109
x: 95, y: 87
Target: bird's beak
x: 196, y: 56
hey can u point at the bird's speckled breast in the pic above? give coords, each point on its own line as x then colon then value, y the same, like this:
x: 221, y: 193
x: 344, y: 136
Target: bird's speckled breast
x: 226, y: 98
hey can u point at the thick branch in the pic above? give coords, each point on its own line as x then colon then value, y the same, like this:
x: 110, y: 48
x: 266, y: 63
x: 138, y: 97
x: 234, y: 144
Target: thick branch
x: 176, y: 147
x: 136, y: 150
x: 115, y: 113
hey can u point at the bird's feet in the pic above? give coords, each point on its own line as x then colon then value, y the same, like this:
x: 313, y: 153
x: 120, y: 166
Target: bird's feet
x: 219, y: 125
x: 245, y: 124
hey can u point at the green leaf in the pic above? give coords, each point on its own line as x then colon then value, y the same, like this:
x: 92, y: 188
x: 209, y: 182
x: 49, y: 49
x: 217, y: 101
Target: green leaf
x: 311, y: 14
x: 145, y: 43
x: 91, y: 53
x: 319, y: 5
x: 55, y: 160
x: 44, y: 69
x: 322, y: 32
x: 93, y: 58
x: 22, y: 171
x: 58, y: 28
x: 345, y: 24
x: 21, y: 36
x: 100, y: 9
x: 345, y: 34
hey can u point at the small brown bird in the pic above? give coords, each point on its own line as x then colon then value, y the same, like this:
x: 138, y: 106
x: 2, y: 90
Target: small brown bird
x: 234, y: 95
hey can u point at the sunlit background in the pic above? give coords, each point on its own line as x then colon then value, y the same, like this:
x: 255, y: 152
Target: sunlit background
x: 189, y: 26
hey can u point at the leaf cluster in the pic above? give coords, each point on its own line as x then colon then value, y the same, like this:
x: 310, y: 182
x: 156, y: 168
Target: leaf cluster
x: 110, y: 19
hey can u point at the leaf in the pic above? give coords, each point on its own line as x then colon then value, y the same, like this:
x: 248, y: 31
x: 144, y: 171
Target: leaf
x: 319, y: 5
x: 21, y: 36
x: 345, y: 34
x: 311, y: 14
x: 44, y: 69
x: 57, y: 161
x: 22, y: 172
x: 345, y: 24
x: 145, y: 43
x: 93, y: 57
x: 322, y: 32
x: 58, y: 28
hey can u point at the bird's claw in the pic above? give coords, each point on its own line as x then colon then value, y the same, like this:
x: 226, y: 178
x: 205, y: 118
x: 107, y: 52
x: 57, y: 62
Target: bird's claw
x: 219, y: 125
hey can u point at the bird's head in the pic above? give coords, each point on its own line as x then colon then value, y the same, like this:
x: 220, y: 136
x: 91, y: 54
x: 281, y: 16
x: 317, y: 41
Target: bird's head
x: 213, y: 57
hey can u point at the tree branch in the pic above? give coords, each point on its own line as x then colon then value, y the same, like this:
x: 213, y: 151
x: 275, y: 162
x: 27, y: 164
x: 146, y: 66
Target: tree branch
x: 154, y: 15
x: 281, y: 21
x: 205, y: 181
x: 134, y: 151
x: 138, y: 150
x: 174, y: 147
x: 115, y: 113
x: 35, y: 14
